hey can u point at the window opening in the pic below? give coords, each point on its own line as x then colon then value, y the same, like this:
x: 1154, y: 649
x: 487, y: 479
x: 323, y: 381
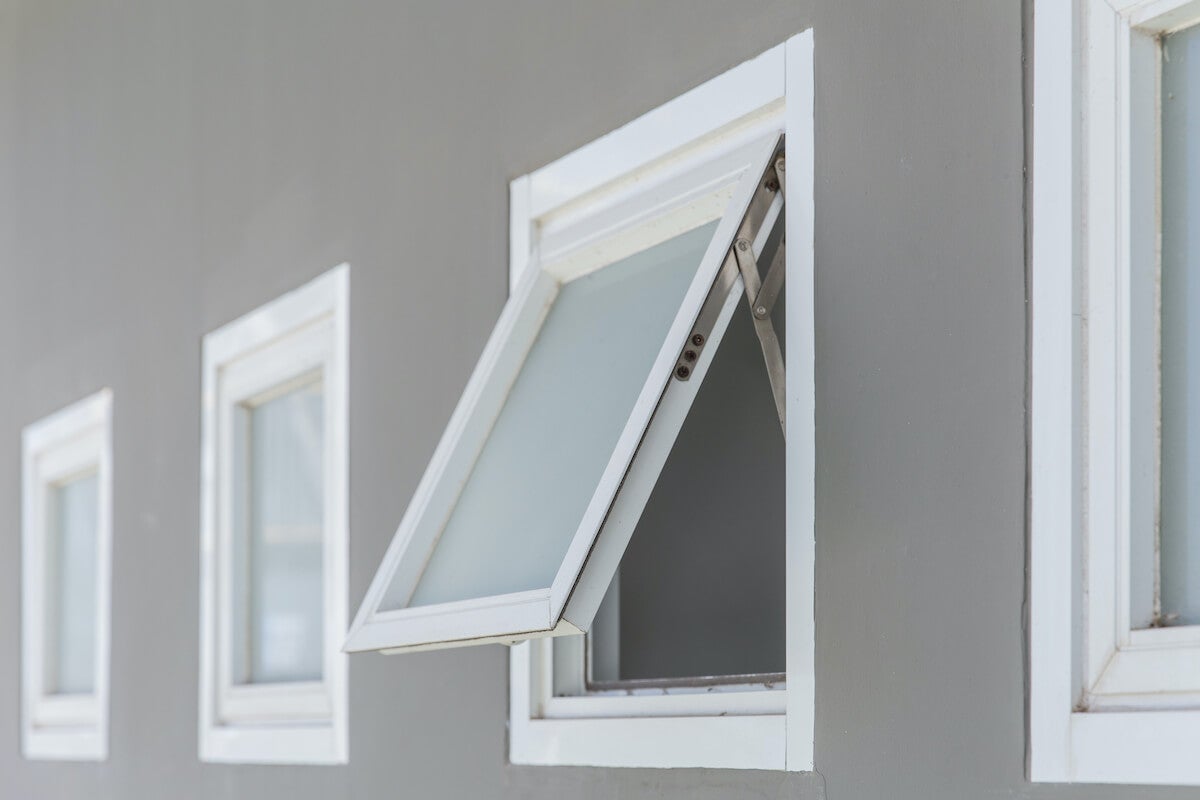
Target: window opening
x: 699, y: 598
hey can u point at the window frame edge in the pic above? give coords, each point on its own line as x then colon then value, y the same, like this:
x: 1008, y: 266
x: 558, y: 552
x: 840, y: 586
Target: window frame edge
x: 80, y: 732
x: 324, y: 299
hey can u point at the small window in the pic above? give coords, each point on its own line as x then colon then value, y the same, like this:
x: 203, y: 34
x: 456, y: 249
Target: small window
x: 610, y: 493
x: 1115, y: 586
x: 273, y: 678
x: 67, y: 547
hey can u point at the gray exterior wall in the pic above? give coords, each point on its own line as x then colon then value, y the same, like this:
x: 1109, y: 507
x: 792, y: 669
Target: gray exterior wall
x: 167, y: 165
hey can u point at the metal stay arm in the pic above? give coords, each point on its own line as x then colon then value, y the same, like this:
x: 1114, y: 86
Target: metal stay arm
x: 764, y: 301
x: 761, y: 293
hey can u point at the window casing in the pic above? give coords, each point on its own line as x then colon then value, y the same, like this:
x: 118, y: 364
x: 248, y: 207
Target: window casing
x: 1114, y: 681
x: 274, y: 531
x: 66, y: 527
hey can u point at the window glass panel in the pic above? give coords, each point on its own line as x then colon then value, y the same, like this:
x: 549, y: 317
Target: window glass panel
x: 1180, y: 520
x: 278, y: 599
x: 73, y: 516
x: 552, y: 440
x: 701, y: 587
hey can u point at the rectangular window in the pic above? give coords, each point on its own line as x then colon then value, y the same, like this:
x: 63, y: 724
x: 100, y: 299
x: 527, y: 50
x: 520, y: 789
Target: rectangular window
x: 67, y: 546
x: 1115, y: 584
x: 611, y: 486
x: 273, y: 686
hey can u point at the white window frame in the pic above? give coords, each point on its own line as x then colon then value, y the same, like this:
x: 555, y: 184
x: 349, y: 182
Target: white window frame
x: 278, y: 344
x: 75, y: 440
x: 1108, y: 702
x: 741, y: 727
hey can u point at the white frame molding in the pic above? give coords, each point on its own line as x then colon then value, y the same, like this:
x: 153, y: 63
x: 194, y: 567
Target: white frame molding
x: 73, y: 441
x: 565, y: 204
x: 1109, y: 701
x: 277, y: 345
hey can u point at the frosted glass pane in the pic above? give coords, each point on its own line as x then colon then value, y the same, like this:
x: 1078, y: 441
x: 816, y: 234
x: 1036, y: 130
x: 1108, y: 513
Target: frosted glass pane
x: 279, y: 627
x: 537, y: 472
x: 70, y: 649
x: 1180, y: 532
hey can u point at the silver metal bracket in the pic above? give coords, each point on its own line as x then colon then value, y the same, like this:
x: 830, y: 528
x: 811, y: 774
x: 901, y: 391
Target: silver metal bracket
x: 760, y: 309
x: 763, y: 302
x: 761, y: 292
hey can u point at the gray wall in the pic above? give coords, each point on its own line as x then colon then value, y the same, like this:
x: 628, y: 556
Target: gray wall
x: 167, y: 165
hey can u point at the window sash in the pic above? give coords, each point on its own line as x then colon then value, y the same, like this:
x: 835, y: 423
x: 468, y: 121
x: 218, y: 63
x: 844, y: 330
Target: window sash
x: 568, y: 605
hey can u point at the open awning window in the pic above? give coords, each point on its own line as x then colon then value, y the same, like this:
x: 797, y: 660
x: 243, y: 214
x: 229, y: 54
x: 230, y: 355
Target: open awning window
x: 546, y: 465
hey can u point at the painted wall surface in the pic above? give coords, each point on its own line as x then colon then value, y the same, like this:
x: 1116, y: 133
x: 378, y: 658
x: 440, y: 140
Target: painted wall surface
x: 167, y: 165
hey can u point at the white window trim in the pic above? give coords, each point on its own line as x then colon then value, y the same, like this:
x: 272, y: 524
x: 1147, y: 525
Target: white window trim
x: 1107, y: 703
x: 280, y: 723
x: 73, y: 440
x: 751, y: 729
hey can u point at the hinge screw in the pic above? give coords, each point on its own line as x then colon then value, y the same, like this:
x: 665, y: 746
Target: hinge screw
x: 698, y: 339
x: 772, y: 185
x: 689, y: 355
x: 682, y: 372
x: 743, y: 245
x: 760, y: 311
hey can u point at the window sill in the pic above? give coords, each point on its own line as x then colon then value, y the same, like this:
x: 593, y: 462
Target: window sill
x: 1138, y: 747
x: 62, y: 743
x: 273, y: 744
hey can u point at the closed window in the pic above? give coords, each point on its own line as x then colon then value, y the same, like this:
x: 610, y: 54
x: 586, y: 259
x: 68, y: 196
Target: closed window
x: 67, y: 546
x: 1115, y: 452
x: 274, y: 532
